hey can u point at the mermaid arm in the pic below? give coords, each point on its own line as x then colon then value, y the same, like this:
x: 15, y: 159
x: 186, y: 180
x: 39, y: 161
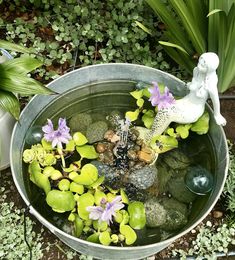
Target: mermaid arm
x: 213, y: 92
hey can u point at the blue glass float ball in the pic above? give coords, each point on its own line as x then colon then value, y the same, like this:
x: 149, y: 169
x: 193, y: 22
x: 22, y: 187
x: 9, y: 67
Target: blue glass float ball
x: 199, y: 180
x: 34, y: 135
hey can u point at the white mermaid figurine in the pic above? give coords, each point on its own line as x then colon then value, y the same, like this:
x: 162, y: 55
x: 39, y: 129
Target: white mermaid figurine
x: 189, y: 108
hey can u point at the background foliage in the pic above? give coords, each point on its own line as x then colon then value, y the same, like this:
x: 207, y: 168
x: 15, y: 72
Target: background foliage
x: 76, y: 33
x: 197, y: 27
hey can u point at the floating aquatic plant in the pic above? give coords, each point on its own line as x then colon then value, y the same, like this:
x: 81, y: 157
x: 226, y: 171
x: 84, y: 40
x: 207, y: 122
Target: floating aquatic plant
x: 99, y: 214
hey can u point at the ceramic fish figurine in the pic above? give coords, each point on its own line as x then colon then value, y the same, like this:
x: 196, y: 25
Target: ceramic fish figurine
x: 189, y: 108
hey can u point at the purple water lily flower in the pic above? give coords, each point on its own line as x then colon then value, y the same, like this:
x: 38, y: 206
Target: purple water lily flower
x: 105, y: 212
x: 161, y: 100
x: 59, y: 136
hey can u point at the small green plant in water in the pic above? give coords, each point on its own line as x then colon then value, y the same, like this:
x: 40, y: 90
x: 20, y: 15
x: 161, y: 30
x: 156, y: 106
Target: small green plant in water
x: 99, y: 214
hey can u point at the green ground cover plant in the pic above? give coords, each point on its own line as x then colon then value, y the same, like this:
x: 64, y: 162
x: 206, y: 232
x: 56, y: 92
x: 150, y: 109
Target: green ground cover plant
x: 70, y: 33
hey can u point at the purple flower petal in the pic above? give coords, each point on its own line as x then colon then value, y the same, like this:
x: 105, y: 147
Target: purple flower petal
x: 95, y: 212
x: 59, y: 136
x: 160, y: 100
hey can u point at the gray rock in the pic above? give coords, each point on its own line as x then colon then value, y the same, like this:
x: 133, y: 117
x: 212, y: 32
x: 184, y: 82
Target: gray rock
x: 171, y: 203
x: 175, y: 159
x: 174, y: 220
x: 179, y: 191
x: 144, y: 177
x: 80, y: 122
x: 95, y: 132
x: 155, y: 213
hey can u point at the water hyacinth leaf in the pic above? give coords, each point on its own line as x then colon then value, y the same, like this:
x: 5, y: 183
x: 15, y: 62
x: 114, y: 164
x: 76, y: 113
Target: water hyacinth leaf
x: 87, y: 151
x: 100, y: 225
x: 61, y: 201
x: 9, y: 103
x: 163, y: 143
x: 70, y: 146
x: 140, y: 102
x: 38, y: 178
x: 173, y: 45
x: 129, y: 234
x: 132, y: 115
x: 144, y: 28
x: 46, y: 145
x: 78, y: 226
x: 94, y: 238
x: 146, y: 92
x: 137, y: 94
x: 64, y: 185
x: 148, y: 118
x: 85, y: 200
x: 124, y: 196
x: 89, y: 174
x: 75, y: 187
x: 202, y: 125
x: 125, y: 216
x: 137, y: 215
x: 171, y: 132
x: 105, y: 238
x: 183, y: 130
x: 79, y: 139
x: 97, y: 183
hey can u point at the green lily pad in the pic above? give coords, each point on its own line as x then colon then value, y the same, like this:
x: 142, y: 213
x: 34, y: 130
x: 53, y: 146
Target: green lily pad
x: 87, y: 151
x: 137, y: 94
x: 137, y: 215
x: 202, y: 125
x: 38, y: 178
x: 132, y: 115
x: 61, y: 201
x: 128, y: 233
x: 105, y: 238
x: 89, y: 174
x: 148, y: 118
x: 79, y: 139
x: 85, y: 200
x: 163, y: 143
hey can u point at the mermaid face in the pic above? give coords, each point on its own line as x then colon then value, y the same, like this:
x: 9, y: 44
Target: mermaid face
x: 202, y: 65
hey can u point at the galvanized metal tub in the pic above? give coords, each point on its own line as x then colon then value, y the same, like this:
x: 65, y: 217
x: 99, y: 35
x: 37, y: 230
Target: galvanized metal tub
x: 104, y: 87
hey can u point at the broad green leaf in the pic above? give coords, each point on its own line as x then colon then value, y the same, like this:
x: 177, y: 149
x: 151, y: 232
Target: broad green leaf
x: 202, y: 125
x: 79, y: 139
x: 61, y: 201
x: 21, y: 84
x: 169, y: 44
x: 145, y: 29
x: 105, y: 238
x: 87, y: 151
x: 89, y: 174
x: 148, y: 118
x: 132, y: 115
x: 137, y: 94
x: 78, y: 226
x: 137, y: 215
x: 183, y: 130
x: 84, y: 201
x: 163, y: 143
x: 140, y: 102
x: 128, y: 233
x: 22, y: 65
x: 38, y: 178
x: 13, y: 47
x: 9, y: 103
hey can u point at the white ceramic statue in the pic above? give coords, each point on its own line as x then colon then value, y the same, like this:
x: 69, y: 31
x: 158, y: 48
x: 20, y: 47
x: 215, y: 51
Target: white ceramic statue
x: 189, y: 108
